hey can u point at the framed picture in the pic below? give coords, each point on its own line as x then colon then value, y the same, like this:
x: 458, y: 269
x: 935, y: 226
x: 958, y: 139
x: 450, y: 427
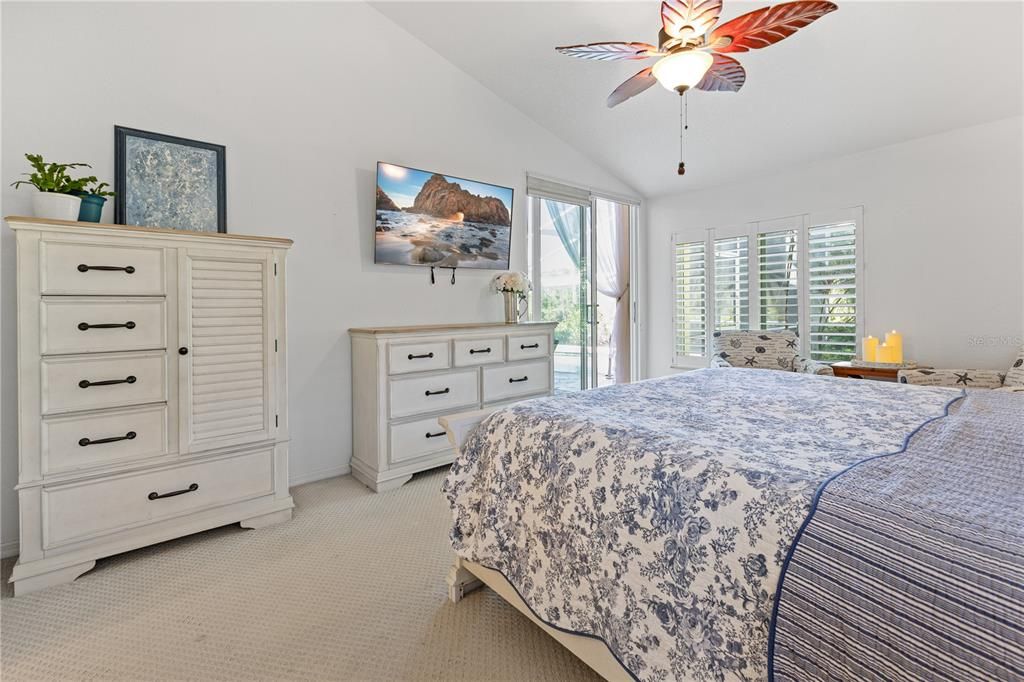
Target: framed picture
x: 167, y: 181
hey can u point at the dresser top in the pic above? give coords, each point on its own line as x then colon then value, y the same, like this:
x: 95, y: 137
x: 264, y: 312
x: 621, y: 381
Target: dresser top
x: 462, y: 326
x: 22, y: 222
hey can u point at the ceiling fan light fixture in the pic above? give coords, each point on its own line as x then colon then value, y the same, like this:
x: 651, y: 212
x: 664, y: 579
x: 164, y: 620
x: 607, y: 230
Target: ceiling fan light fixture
x: 683, y: 70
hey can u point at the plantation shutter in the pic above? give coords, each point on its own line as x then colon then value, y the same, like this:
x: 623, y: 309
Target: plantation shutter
x: 778, y: 280
x: 691, y: 299
x: 732, y: 284
x: 832, y: 285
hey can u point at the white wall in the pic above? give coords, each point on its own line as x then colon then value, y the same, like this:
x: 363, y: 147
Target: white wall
x: 306, y: 98
x: 943, y: 239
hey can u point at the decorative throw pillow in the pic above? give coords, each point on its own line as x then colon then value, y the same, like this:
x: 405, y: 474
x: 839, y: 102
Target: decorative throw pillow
x: 1015, y: 377
x: 756, y: 348
x: 955, y: 378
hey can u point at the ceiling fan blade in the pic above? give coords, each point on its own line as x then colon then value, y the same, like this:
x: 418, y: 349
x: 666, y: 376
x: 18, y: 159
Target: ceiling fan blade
x: 606, y: 52
x: 689, y: 18
x: 632, y: 87
x: 725, y: 75
x: 766, y: 26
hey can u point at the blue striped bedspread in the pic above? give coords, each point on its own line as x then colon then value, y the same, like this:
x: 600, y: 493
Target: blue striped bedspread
x: 911, y: 566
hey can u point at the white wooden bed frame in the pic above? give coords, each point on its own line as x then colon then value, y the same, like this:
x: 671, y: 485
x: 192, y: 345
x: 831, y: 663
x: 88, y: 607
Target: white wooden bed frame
x: 466, y: 576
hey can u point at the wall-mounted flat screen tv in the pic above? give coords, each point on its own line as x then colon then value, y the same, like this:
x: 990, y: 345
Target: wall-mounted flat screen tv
x: 426, y: 218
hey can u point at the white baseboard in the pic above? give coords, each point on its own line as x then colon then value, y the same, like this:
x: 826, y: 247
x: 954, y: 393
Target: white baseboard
x: 8, y: 549
x: 318, y: 475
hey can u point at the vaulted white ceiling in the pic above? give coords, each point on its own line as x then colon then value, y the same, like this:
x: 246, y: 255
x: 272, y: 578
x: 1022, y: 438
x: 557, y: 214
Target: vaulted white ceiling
x: 868, y: 75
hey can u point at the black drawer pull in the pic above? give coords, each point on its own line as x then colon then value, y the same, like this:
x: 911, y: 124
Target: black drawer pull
x: 82, y: 267
x: 436, y: 435
x: 85, y: 383
x: 99, y: 441
x: 447, y: 390
x: 474, y: 351
x: 85, y: 326
x: 516, y: 381
x: 157, y: 496
x: 532, y: 345
x: 420, y: 357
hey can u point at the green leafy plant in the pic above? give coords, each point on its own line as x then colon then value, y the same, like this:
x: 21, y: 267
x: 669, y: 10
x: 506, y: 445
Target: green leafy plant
x: 79, y: 186
x: 99, y: 191
x: 53, y: 177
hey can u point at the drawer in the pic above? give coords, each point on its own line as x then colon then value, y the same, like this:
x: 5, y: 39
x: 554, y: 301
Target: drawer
x: 77, y: 511
x: 525, y: 347
x: 418, y: 438
x: 481, y: 351
x: 76, y: 325
x: 69, y: 383
x: 419, y: 395
x: 501, y: 383
x: 418, y: 357
x: 99, y: 438
x: 77, y: 268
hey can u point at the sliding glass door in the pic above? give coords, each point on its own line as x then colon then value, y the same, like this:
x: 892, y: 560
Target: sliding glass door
x: 561, y: 242
x: 579, y: 261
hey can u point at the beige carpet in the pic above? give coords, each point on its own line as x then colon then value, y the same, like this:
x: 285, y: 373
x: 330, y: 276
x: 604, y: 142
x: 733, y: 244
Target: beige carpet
x: 352, y: 588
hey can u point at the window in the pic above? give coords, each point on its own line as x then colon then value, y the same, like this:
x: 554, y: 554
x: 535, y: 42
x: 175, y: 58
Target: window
x: 732, y: 284
x: 691, y: 307
x: 779, y: 301
x: 832, y: 281
x: 799, y: 273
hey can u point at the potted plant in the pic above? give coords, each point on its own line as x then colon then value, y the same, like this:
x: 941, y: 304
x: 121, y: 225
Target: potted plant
x: 93, y: 197
x: 513, y: 286
x: 54, y: 199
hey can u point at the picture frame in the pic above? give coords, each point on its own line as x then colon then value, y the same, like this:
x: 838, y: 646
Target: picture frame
x: 168, y: 181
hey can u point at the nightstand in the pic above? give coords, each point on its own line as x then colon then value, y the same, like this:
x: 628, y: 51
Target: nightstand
x: 845, y: 369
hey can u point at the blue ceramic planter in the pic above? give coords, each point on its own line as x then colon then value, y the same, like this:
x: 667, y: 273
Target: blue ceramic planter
x: 92, y: 208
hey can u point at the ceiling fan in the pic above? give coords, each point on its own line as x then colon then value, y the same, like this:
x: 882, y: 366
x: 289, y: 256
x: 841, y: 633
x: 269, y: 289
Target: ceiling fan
x: 692, y: 55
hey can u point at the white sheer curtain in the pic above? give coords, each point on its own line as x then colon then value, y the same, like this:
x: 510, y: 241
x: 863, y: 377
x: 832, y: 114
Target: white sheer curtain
x: 613, y: 278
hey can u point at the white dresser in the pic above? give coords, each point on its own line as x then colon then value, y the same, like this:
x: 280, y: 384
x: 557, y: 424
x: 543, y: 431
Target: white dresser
x: 152, y: 390
x: 404, y: 378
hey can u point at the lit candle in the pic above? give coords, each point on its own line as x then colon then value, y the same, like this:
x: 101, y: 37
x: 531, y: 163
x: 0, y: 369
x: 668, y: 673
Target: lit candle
x: 869, y: 349
x: 886, y: 353
x: 894, y: 340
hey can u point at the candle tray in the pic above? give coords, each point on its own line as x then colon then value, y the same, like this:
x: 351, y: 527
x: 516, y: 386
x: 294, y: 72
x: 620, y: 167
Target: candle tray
x: 884, y: 365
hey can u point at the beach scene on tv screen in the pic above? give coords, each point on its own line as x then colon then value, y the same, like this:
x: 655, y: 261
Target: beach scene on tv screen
x: 427, y: 218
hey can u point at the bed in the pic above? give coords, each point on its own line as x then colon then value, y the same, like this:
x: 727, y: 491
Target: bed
x: 751, y: 524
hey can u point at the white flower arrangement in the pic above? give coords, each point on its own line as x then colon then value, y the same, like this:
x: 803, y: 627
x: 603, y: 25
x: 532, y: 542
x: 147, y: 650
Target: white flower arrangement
x: 512, y: 282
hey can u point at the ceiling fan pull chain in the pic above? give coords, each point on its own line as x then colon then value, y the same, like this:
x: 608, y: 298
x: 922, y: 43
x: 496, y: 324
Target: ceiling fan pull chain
x: 684, y: 125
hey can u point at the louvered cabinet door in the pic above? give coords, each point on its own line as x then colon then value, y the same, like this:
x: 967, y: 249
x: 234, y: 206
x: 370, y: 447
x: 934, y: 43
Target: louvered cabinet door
x: 227, y: 315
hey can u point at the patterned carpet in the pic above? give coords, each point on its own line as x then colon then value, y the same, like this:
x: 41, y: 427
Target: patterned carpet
x: 351, y: 589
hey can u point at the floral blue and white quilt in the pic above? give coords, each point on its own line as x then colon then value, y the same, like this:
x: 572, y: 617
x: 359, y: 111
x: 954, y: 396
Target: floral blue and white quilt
x: 657, y: 515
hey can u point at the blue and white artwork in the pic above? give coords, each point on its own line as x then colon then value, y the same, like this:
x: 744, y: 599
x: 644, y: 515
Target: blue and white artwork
x: 173, y: 184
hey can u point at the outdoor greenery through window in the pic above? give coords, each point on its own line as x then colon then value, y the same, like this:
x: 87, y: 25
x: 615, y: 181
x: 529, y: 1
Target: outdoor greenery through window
x: 802, y: 279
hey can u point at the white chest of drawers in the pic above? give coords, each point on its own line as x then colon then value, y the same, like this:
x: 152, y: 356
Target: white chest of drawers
x: 404, y: 378
x: 152, y: 384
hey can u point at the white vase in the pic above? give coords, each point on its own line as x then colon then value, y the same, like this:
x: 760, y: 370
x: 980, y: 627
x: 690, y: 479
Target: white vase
x: 56, y: 206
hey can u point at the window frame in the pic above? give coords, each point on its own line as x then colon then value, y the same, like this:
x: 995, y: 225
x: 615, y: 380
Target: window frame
x: 802, y: 223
